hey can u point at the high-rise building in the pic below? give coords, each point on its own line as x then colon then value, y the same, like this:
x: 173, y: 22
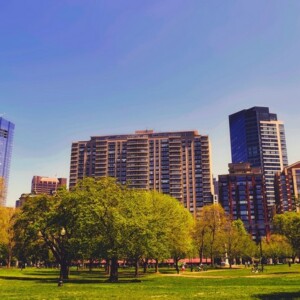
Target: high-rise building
x: 216, y: 190
x: 46, y: 185
x: 242, y: 195
x: 287, y: 188
x: 257, y: 137
x: 6, y: 141
x: 175, y: 163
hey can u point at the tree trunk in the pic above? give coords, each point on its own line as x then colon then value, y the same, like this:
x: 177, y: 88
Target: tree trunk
x: 156, y: 266
x: 90, y: 264
x: 8, y: 262
x: 136, y: 271
x: 176, y: 265
x: 64, y: 270
x: 113, y: 277
x: 107, y: 266
x: 212, y: 262
x: 145, y: 265
x: 201, y: 247
x: 201, y: 254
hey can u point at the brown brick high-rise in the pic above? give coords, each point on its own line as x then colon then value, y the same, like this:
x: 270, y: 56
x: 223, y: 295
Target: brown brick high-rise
x: 175, y: 163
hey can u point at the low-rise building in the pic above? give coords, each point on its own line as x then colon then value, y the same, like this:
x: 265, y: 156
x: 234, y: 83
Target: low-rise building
x: 46, y: 185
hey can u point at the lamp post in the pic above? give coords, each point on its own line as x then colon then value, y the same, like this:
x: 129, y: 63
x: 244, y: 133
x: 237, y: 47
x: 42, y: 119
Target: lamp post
x: 62, y: 235
x: 261, y: 251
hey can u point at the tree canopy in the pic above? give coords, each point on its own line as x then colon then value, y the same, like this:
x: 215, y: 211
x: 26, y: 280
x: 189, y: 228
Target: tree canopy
x: 288, y: 224
x: 101, y: 218
x: 6, y: 234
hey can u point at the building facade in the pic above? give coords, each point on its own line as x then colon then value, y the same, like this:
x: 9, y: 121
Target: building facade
x: 287, y: 188
x: 175, y: 163
x: 46, y: 185
x: 243, y: 196
x: 6, y: 141
x: 23, y: 198
x: 257, y: 137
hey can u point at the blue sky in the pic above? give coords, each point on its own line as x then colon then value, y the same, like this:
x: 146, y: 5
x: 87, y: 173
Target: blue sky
x: 70, y: 69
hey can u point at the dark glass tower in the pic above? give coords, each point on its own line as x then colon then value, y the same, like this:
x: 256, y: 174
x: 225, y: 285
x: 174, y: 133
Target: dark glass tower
x: 257, y: 137
x: 6, y: 140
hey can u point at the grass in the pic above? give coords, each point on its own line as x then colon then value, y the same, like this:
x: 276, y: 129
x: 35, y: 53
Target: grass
x: 278, y: 282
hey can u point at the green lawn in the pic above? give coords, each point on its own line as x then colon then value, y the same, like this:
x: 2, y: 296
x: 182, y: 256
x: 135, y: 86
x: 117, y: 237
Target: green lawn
x: 278, y: 282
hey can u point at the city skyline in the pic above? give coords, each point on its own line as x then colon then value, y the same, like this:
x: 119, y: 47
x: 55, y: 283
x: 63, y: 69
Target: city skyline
x: 71, y: 70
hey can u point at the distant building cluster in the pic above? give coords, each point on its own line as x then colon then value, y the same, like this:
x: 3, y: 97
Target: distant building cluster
x: 42, y: 185
x: 179, y: 164
x: 259, y: 183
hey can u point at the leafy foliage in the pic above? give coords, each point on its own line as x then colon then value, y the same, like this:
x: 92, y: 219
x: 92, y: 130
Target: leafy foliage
x: 6, y: 234
x: 288, y: 224
x: 104, y: 219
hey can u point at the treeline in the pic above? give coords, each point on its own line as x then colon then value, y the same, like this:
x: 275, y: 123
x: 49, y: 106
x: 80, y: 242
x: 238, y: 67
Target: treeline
x: 101, y: 219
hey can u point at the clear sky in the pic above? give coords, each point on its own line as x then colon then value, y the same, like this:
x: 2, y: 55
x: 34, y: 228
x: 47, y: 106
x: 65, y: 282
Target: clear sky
x: 70, y: 69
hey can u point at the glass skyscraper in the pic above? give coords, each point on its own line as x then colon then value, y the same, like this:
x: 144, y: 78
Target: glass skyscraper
x: 257, y: 137
x: 6, y: 140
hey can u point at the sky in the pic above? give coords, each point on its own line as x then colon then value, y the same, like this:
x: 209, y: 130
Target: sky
x: 71, y: 69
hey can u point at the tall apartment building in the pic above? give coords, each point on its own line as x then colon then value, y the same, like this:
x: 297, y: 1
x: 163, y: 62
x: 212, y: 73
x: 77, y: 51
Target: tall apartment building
x: 46, y: 185
x: 175, y: 163
x: 6, y: 141
x: 242, y: 195
x: 257, y: 137
x: 287, y: 188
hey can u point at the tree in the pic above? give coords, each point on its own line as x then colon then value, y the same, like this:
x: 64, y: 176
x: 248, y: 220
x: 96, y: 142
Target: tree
x: 238, y: 242
x: 199, y: 237
x: 131, y: 224
x: 6, y: 234
x: 102, y: 218
x: 139, y: 234
x: 277, y: 246
x: 209, y: 231
x: 50, y: 221
x: 288, y: 224
x: 180, y: 225
x: 2, y: 190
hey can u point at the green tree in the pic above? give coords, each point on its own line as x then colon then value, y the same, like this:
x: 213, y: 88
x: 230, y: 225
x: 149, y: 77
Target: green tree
x: 238, y: 242
x: 208, y: 234
x: 180, y: 227
x: 6, y: 234
x: 288, y: 224
x: 103, y: 217
x: 50, y: 221
x: 131, y: 224
x: 277, y: 246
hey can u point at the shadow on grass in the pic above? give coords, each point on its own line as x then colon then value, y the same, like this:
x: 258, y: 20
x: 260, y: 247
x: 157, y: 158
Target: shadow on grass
x: 279, y: 296
x: 46, y: 280
x: 284, y: 273
x: 73, y: 281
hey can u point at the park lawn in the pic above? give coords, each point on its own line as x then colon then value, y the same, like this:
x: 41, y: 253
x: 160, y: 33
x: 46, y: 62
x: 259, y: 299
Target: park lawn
x: 278, y: 282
